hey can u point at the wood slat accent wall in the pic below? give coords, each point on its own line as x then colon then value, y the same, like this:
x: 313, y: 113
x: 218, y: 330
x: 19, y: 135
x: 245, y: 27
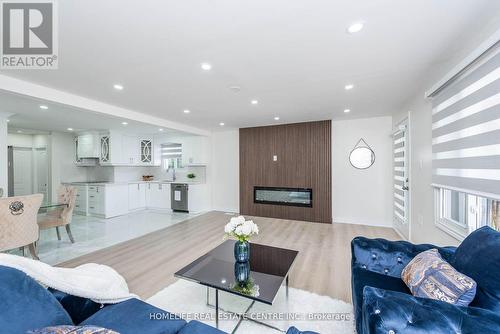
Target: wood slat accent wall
x: 304, y: 161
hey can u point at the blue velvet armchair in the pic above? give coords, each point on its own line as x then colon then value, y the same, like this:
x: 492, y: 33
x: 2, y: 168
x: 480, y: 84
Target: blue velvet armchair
x: 383, y: 303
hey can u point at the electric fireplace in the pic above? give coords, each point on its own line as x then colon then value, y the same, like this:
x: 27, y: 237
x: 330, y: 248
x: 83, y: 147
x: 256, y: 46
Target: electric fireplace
x: 283, y: 196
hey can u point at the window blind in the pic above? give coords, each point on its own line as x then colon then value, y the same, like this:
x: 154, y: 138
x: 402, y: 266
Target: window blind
x: 171, y: 151
x: 400, y: 176
x: 466, y: 130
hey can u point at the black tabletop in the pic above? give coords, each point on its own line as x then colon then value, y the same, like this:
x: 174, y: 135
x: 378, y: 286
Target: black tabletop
x: 269, y: 266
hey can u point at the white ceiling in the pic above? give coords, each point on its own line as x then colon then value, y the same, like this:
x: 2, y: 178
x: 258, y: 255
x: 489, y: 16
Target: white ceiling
x: 294, y: 56
x: 28, y: 118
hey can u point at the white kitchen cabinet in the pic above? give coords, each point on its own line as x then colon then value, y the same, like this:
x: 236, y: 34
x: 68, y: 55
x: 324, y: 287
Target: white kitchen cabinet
x: 81, y: 200
x: 158, y: 195
x: 105, y: 154
x: 136, y: 196
x: 114, y: 198
x: 146, y: 150
x: 131, y: 150
x: 96, y: 206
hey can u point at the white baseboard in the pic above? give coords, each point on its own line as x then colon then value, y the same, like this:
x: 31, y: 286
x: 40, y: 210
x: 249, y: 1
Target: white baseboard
x: 348, y: 220
x: 399, y: 233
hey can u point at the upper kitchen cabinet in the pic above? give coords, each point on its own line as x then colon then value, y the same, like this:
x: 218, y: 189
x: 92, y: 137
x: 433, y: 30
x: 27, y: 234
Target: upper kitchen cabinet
x: 131, y: 150
x: 146, y: 148
x: 118, y: 149
x: 190, y: 150
x: 105, y: 151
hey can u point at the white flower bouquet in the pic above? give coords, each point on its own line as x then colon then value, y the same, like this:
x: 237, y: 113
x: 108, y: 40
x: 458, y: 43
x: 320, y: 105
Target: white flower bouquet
x: 241, y: 229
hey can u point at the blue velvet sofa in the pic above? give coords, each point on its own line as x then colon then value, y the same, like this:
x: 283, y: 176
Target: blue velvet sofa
x: 25, y: 305
x: 384, y: 304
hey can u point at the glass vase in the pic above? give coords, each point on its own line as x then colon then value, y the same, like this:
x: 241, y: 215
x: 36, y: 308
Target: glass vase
x: 241, y: 273
x: 242, y: 251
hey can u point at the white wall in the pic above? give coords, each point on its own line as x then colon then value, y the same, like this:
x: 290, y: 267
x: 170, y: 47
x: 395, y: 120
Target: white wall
x: 19, y: 140
x: 225, y: 171
x: 362, y: 196
x: 63, y: 168
x: 422, y: 228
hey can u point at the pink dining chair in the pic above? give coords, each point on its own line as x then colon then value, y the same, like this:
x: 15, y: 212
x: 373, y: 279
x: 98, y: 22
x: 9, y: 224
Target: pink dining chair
x: 18, y: 224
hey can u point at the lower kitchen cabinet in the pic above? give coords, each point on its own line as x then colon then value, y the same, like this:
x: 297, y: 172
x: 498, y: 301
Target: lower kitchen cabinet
x: 158, y: 196
x: 115, y: 197
x: 137, y: 196
x: 103, y: 200
x: 96, y: 205
x: 81, y: 200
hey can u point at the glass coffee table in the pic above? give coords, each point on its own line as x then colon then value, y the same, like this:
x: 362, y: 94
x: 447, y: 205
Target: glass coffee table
x: 258, y: 280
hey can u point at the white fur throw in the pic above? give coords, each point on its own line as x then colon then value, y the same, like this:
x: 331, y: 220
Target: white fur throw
x: 100, y: 283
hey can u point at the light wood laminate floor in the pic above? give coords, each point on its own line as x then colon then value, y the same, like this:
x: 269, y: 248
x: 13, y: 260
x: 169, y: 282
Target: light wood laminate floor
x: 148, y: 263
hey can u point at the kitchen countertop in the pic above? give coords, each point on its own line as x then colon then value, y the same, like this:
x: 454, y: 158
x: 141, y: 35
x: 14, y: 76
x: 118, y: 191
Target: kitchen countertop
x: 109, y: 183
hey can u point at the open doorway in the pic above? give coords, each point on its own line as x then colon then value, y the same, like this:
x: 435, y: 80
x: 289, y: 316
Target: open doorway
x: 28, y: 169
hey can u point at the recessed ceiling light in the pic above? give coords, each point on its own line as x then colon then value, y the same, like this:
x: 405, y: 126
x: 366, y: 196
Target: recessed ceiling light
x: 355, y: 27
x: 44, y: 107
x: 254, y: 102
x: 276, y: 118
x: 124, y: 123
x: 347, y: 110
x: 19, y: 131
x: 118, y: 87
x: 221, y: 123
x: 206, y: 66
x: 349, y: 87
x: 187, y: 111
x: 70, y: 129
x: 8, y: 120
x: 161, y: 130
x: 235, y: 89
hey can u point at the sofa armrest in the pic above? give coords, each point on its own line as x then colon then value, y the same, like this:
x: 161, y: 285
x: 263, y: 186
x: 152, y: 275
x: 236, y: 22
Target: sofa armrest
x: 389, y: 257
x: 395, y: 312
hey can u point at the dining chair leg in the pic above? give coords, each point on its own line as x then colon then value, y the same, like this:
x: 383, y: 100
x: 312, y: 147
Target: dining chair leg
x: 58, y: 233
x: 33, y: 251
x: 68, y: 229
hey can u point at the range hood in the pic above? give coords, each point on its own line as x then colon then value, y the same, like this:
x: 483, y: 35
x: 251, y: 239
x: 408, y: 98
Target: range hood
x: 87, y: 146
x: 87, y: 162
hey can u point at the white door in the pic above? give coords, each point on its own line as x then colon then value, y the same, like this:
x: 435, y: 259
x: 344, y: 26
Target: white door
x: 401, y: 179
x: 23, y: 171
x: 42, y: 173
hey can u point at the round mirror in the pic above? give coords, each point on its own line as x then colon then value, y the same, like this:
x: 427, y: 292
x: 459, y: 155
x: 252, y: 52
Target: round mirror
x: 362, y: 157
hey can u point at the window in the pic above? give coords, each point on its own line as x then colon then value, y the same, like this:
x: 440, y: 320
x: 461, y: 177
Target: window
x: 466, y: 147
x: 171, y: 155
x: 459, y: 213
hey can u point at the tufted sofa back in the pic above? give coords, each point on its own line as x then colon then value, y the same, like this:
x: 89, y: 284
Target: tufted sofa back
x: 478, y: 256
x: 389, y: 258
